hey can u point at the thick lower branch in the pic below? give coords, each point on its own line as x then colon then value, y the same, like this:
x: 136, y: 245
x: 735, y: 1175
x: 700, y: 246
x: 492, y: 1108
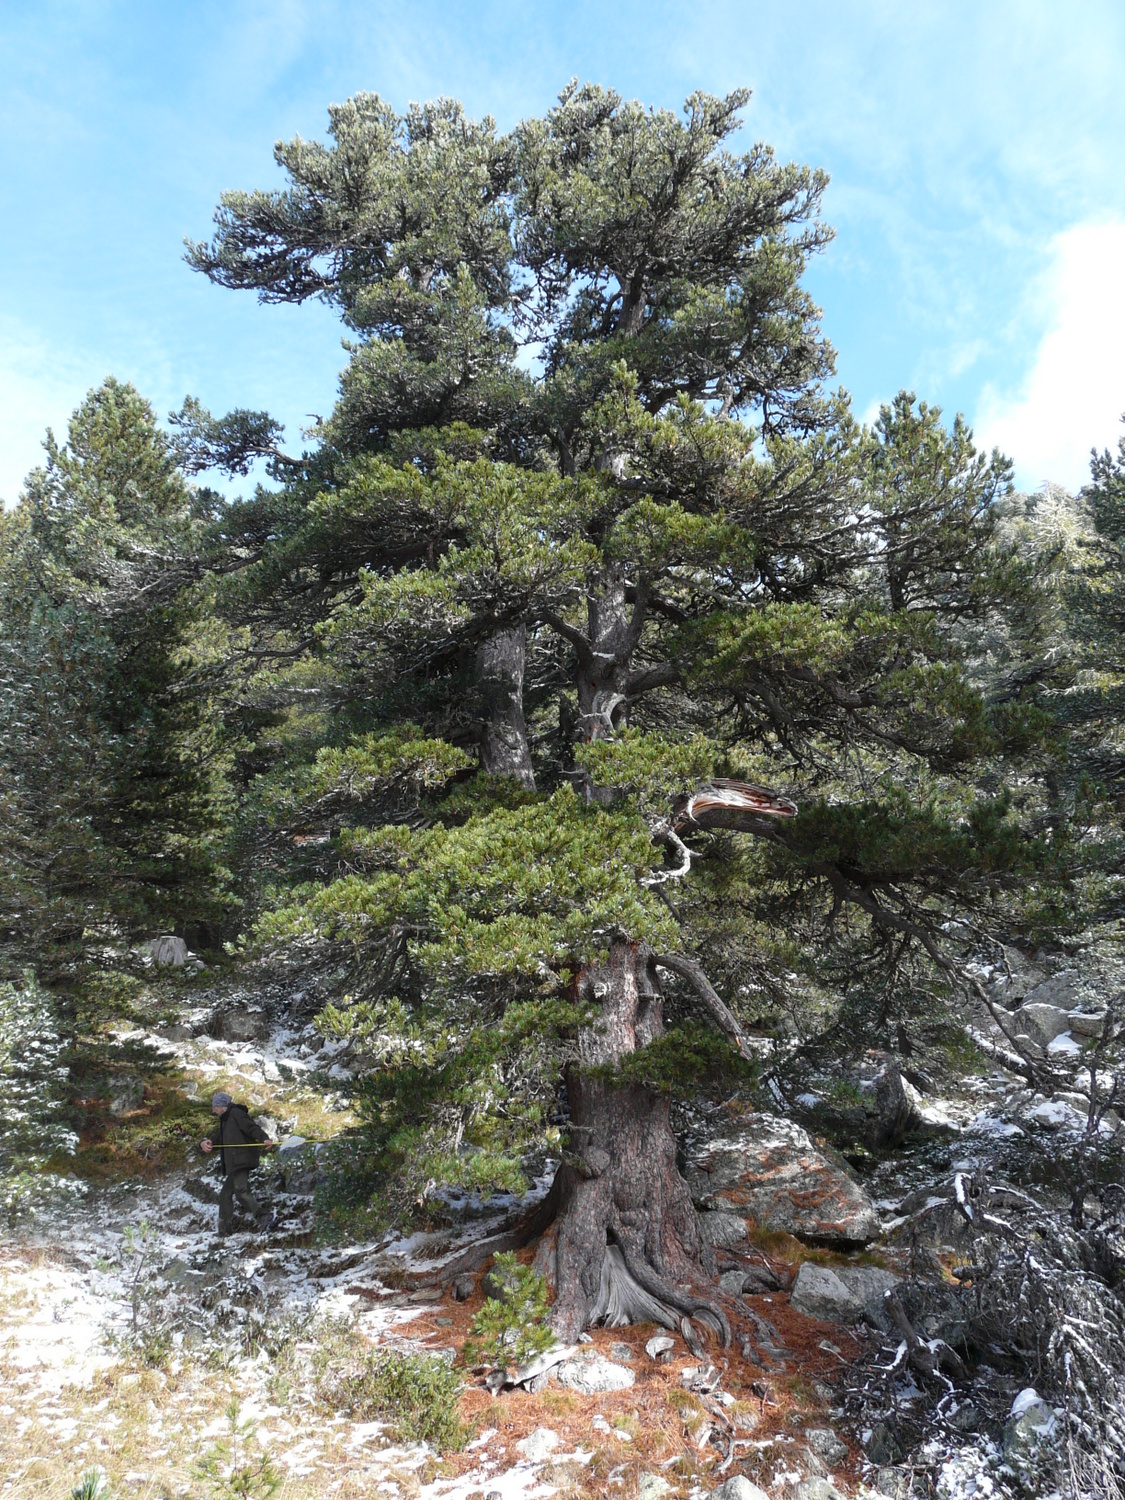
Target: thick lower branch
x: 691, y: 970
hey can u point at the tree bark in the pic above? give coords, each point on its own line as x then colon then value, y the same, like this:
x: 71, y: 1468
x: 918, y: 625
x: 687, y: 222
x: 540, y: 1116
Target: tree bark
x: 603, y: 671
x: 500, y: 669
x: 626, y: 1244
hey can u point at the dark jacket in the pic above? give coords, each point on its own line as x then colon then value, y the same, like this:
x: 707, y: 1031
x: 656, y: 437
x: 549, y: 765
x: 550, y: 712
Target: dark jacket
x: 234, y: 1128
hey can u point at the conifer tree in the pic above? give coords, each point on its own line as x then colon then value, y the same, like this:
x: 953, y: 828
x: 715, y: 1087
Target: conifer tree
x: 570, y: 611
x: 113, y: 765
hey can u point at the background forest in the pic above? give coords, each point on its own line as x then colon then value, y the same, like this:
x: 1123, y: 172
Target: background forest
x: 595, y: 727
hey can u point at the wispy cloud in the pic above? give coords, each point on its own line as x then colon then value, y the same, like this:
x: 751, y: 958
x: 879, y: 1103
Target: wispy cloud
x: 1074, y: 394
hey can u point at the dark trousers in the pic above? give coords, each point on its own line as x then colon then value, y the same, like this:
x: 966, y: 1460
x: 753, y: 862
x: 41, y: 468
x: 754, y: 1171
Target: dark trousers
x: 236, y: 1184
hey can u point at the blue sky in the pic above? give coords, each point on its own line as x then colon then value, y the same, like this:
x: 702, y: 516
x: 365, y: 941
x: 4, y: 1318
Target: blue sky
x: 975, y: 149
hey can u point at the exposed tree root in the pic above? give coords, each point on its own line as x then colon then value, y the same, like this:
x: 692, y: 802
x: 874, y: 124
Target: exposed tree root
x: 708, y: 1313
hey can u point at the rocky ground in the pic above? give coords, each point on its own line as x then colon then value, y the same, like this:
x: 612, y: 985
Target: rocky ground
x: 127, y: 1327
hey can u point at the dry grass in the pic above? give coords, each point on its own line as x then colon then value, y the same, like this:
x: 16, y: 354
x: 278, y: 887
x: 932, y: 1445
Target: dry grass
x: 147, y: 1427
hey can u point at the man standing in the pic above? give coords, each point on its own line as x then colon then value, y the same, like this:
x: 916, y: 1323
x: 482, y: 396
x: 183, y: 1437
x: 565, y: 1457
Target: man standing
x: 241, y: 1142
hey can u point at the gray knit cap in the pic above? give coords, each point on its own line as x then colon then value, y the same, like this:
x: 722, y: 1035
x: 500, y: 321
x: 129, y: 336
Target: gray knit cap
x: 223, y: 1099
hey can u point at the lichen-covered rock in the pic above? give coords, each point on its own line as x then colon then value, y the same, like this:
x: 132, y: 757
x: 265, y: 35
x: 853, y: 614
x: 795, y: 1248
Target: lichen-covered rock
x: 652, y: 1486
x: 124, y: 1093
x: 239, y: 1025
x: 767, y: 1170
x: 826, y: 1445
x: 1031, y: 1423
x: 817, y: 1489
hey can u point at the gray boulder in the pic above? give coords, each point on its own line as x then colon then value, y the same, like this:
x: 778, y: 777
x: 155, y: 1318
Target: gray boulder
x: 766, y: 1170
x: 843, y: 1294
x: 891, y: 1104
x: 1041, y: 1022
x: 893, y: 1483
x: 722, y: 1229
x: 1031, y: 1423
x: 882, y: 1448
x: 889, y: 1107
x: 826, y: 1445
x: 869, y: 1285
x: 820, y: 1293
x: 299, y: 1169
x: 817, y: 1489
x: 1087, y: 1022
x: 243, y: 1025
x: 1063, y: 989
x: 538, y: 1444
x: 174, y: 1031
x: 738, y: 1488
x: 1024, y: 976
x: 594, y: 1376
x: 652, y: 1487
x: 125, y: 1093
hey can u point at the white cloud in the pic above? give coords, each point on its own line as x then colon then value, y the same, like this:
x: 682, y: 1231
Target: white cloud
x: 39, y: 388
x: 1074, y: 396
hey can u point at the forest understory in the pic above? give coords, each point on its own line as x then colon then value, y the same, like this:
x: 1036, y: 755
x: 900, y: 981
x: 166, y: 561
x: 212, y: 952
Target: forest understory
x: 129, y: 1328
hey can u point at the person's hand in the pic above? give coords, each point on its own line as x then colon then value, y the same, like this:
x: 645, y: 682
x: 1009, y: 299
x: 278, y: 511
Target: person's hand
x: 271, y: 1145
x: 205, y: 1145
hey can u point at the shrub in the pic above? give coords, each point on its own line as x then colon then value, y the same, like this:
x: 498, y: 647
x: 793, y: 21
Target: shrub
x: 416, y: 1394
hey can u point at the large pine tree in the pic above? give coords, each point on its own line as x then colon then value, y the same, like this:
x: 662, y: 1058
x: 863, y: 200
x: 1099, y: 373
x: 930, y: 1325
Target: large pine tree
x: 586, y: 553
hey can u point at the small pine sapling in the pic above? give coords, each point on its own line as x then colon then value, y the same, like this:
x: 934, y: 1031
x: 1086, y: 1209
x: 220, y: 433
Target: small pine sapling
x: 233, y: 1468
x: 511, y: 1328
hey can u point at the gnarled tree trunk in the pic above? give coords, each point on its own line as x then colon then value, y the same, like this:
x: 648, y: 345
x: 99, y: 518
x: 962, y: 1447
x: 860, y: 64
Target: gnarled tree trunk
x: 503, y: 743
x: 603, y: 669
x: 625, y: 1245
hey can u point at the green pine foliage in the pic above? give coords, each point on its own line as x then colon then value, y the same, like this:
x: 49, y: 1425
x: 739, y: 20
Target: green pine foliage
x: 236, y: 1467
x: 586, y: 415
x: 511, y: 1327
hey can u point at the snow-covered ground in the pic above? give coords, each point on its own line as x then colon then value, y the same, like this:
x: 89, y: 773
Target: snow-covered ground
x: 87, y: 1283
